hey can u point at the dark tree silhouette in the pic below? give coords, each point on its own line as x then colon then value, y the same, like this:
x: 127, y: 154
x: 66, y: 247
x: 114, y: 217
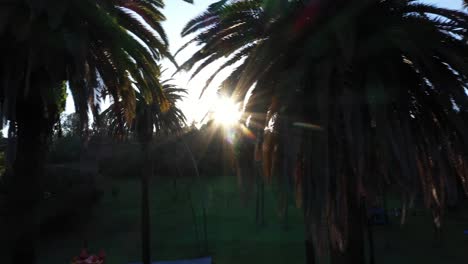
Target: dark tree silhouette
x: 161, y: 116
x: 92, y: 46
x: 363, y: 93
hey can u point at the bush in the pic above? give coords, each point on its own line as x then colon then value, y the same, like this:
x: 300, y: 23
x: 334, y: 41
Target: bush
x: 69, y: 196
x: 65, y: 150
x: 121, y: 161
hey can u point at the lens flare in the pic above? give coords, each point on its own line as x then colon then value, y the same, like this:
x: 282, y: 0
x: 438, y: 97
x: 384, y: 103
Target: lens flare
x: 226, y: 112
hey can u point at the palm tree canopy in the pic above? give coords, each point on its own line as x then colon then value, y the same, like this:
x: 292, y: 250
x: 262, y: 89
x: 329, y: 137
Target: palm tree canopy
x: 228, y: 29
x: 100, y: 47
x: 384, y: 81
x: 97, y: 48
x: 162, y: 116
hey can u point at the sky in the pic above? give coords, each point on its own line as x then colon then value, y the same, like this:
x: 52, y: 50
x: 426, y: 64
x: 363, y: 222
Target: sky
x: 178, y: 13
x: 453, y: 4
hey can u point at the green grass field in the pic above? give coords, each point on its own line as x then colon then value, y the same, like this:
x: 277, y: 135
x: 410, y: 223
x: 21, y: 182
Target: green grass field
x: 232, y: 236
x: 177, y: 229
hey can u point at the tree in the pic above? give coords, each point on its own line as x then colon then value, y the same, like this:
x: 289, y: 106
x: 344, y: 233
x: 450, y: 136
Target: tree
x: 160, y: 116
x: 227, y: 29
x: 165, y: 116
x: 70, y: 125
x: 379, y: 97
x: 94, y: 46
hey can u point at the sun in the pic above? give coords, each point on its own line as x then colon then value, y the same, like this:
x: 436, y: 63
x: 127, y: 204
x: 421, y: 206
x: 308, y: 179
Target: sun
x: 226, y: 112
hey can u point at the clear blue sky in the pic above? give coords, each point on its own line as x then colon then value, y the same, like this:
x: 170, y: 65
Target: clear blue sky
x: 453, y: 4
x: 178, y: 13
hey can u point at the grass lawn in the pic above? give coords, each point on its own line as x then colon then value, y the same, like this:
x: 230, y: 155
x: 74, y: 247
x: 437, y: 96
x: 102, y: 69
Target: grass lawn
x: 415, y: 242
x: 177, y: 225
x: 232, y: 236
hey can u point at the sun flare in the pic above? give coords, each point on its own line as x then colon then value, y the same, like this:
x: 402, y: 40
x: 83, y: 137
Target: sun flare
x: 226, y: 112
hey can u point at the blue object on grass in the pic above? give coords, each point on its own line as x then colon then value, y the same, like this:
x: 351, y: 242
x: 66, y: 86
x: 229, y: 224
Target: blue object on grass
x: 377, y: 216
x: 205, y: 260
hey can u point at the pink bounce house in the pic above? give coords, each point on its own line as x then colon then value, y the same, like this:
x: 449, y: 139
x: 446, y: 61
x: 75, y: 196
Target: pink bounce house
x: 85, y: 258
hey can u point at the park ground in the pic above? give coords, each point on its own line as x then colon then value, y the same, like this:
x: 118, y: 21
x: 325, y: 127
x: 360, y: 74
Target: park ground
x: 231, y: 233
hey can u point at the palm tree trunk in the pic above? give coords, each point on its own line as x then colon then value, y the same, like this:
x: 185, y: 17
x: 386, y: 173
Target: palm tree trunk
x: 260, y: 197
x: 370, y: 233
x: 205, y: 231
x: 24, y: 199
x: 309, y: 242
x: 257, y: 199
x: 354, y: 253
x: 24, y: 191
x: 370, y: 238
x: 355, y: 250
x: 385, y: 204
x: 145, y: 209
x: 262, y: 202
x: 310, y: 251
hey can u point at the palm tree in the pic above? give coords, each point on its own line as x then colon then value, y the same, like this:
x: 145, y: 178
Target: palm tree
x: 159, y: 116
x: 236, y: 26
x: 379, y: 98
x: 165, y: 115
x: 99, y: 48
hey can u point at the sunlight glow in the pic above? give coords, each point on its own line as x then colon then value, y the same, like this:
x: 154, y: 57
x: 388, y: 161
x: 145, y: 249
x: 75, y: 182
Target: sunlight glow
x: 226, y: 112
